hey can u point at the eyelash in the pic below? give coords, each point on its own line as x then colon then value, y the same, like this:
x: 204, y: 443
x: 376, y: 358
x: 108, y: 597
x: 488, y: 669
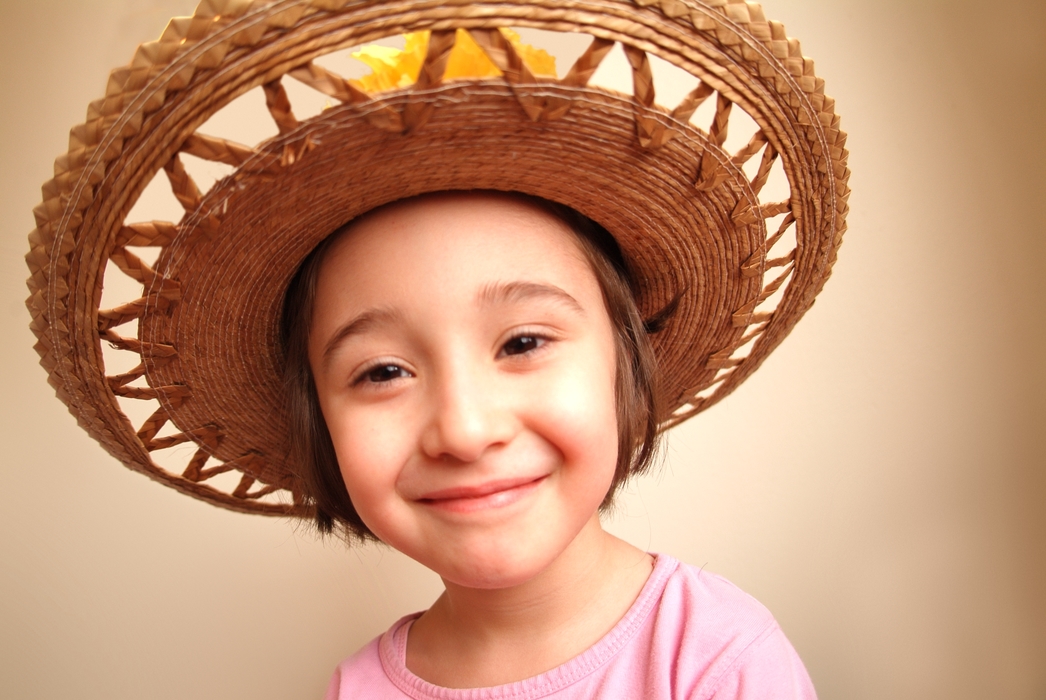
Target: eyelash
x: 539, y: 342
x: 367, y: 375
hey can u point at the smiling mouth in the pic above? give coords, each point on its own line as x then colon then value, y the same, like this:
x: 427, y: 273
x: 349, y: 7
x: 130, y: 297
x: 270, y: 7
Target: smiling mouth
x: 494, y: 494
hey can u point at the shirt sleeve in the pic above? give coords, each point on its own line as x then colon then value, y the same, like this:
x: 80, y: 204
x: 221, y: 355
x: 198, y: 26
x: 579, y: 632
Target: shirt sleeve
x: 334, y: 687
x: 769, y: 669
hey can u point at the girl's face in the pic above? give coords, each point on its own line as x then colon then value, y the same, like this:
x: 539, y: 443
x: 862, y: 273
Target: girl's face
x: 465, y: 367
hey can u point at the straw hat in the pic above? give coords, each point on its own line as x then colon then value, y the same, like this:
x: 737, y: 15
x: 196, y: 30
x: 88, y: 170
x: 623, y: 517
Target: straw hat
x: 686, y: 209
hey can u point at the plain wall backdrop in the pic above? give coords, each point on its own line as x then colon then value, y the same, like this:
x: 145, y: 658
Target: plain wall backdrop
x: 880, y: 484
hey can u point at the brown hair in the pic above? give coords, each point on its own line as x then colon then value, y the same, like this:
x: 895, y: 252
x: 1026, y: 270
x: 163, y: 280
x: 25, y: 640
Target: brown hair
x: 636, y: 384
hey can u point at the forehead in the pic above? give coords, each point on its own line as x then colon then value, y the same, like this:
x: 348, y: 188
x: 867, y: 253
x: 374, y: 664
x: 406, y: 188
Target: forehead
x: 450, y: 239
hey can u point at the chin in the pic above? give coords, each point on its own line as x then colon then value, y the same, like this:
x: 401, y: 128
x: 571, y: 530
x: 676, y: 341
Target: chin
x: 490, y: 577
x: 490, y: 567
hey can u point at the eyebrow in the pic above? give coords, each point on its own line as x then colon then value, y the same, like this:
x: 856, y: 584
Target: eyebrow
x: 357, y: 326
x: 508, y: 292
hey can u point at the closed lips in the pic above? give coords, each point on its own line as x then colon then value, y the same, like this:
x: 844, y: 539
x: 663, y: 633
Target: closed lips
x: 487, y: 495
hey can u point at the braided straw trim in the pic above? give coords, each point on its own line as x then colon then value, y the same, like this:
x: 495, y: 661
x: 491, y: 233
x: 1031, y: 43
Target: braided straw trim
x: 195, y: 50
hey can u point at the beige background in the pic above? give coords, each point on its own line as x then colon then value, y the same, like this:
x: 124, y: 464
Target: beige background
x: 880, y: 484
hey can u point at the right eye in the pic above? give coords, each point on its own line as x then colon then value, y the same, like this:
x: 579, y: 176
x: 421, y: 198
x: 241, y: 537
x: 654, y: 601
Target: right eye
x: 522, y: 344
x: 382, y: 374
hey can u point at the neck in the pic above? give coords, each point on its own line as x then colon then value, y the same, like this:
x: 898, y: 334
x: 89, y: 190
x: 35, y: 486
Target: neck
x: 479, y: 637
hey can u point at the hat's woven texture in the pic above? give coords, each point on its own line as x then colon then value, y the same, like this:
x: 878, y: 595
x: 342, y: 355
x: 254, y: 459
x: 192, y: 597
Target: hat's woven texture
x: 688, y: 214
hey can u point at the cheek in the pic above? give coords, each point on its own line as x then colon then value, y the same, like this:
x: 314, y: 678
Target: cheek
x: 581, y: 421
x: 369, y: 458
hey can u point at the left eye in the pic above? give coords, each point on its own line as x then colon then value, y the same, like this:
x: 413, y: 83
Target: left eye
x: 382, y: 374
x: 522, y: 344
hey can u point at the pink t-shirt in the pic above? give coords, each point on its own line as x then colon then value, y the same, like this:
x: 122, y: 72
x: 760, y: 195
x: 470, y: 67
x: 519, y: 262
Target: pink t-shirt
x: 690, y: 634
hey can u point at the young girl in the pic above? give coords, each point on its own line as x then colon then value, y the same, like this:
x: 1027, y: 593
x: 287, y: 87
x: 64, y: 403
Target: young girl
x: 471, y: 366
x: 485, y: 385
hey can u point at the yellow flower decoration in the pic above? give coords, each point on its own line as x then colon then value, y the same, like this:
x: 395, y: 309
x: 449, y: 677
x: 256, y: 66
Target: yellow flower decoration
x: 392, y: 68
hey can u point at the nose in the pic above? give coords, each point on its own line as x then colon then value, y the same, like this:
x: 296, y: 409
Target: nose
x: 468, y: 415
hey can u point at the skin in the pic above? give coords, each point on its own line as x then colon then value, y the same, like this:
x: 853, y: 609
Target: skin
x: 464, y: 362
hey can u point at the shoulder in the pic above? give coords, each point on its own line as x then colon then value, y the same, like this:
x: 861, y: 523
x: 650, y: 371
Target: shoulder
x: 363, y: 675
x: 698, y: 598
x: 725, y: 643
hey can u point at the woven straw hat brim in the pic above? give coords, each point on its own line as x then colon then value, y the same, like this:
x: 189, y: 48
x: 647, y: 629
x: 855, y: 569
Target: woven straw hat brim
x: 686, y: 213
